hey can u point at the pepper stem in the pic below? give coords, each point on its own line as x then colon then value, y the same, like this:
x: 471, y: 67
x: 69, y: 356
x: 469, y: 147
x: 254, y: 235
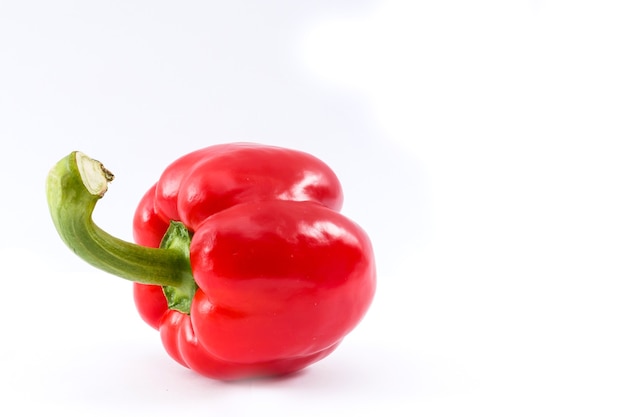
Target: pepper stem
x: 73, y: 187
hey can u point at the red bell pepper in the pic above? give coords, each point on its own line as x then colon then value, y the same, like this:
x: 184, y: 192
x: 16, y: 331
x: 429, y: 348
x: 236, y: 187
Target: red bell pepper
x: 243, y: 263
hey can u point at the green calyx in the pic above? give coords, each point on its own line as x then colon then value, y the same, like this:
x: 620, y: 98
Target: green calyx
x: 73, y: 187
x: 179, y: 296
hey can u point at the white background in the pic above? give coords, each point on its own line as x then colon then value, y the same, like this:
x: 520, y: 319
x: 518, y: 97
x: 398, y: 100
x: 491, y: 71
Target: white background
x: 479, y: 143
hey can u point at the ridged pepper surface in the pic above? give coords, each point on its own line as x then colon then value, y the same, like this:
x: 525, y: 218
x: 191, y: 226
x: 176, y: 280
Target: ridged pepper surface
x: 243, y: 261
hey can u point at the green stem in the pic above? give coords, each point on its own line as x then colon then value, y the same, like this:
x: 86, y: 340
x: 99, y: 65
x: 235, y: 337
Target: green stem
x: 74, y: 186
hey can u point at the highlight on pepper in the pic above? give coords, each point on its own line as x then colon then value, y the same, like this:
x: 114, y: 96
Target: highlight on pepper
x: 242, y: 261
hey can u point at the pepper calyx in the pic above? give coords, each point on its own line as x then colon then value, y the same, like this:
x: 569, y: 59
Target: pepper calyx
x: 179, y: 297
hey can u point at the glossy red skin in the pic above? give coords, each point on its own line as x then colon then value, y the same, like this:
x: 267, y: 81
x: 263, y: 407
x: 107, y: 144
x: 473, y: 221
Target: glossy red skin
x: 282, y: 276
x: 212, y: 179
x: 181, y: 343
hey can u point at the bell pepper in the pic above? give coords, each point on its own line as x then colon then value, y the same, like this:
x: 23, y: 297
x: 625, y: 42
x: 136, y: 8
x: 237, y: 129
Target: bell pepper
x: 242, y: 260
